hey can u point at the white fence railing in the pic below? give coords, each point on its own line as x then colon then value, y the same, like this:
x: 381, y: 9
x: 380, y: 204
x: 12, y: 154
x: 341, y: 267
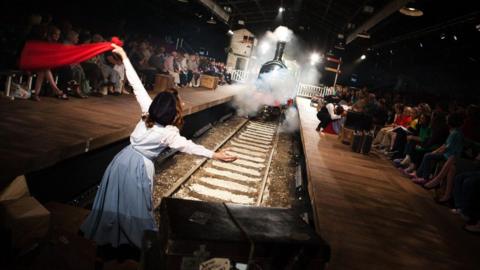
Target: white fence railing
x: 239, y: 75
x: 309, y: 90
x: 303, y: 90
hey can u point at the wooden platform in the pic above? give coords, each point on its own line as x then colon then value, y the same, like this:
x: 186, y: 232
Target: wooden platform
x: 35, y: 135
x: 372, y: 216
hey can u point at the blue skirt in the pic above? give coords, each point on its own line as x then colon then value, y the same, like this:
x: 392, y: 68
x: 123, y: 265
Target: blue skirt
x: 122, y: 209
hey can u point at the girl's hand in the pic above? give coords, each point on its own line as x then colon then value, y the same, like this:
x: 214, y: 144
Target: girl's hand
x: 222, y: 155
x: 119, y: 50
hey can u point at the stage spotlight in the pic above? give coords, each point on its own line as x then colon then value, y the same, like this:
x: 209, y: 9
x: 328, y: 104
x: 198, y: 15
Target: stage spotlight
x: 420, y: 44
x: 363, y: 57
x: 230, y: 32
x: 442, y: 36
x: 477, y: 27
x: 315, y: 58
x: 455, y: 37
x: 281, y: 9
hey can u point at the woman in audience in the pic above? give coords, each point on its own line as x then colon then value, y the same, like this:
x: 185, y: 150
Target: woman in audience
x: 329, y: 112
x: 452, y: 148
x: 123, y: 208
x: 53, y: 36
x: 385, y: 135
x: 400, y: 134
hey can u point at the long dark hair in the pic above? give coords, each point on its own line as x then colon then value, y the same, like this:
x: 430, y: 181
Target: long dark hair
x: 166, y: 109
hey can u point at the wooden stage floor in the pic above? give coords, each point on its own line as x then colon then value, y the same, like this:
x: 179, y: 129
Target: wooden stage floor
x: 36, y: 135
x: 372, y: 216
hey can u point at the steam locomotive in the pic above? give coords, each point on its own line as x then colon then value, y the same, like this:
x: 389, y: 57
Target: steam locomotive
x: 268, y: 112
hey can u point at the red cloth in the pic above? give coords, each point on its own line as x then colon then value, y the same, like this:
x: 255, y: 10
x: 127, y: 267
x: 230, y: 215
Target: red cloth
x: 44, y: 55
x: 329, y: 129
x: 403, y: 120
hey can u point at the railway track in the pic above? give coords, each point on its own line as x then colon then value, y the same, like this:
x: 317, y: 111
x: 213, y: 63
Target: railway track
x: 242, y: 181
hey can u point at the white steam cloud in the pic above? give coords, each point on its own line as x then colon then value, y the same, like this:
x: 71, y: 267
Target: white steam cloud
x: 278, y: 86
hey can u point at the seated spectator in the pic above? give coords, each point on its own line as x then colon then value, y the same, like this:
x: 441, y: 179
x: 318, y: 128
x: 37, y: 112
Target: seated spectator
x: 193, y: 67
x: 419, y: 137
x: 73, y: 77
x: 467, y: 199
x: 52, y: 36
x: 171, y: 66
x: 439, y: 133
x: 384, y: 138
x: 183, y: 69
x: 452, y: 148
x: 158, y: 60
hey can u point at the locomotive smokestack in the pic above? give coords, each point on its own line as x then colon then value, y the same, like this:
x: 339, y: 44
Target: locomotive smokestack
x: 279, y: 50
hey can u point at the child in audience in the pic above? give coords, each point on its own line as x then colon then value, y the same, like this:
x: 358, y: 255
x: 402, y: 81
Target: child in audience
x: 452, y: 148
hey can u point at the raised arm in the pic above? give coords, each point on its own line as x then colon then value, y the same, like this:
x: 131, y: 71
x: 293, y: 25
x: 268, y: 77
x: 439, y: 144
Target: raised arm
x: 176, y: 141
x: 138, y: 89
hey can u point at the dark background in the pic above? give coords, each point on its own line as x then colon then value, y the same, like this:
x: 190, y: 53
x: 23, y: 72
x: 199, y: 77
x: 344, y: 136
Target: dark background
x: 395, y: 59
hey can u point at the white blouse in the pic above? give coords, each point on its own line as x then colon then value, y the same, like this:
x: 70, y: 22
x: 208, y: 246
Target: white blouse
x: 150, y: 142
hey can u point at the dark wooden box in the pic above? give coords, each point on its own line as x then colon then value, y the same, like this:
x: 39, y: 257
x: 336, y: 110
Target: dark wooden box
x: 191, y: 232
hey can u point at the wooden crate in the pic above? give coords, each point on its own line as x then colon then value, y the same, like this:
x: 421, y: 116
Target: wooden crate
x: 163, y: 82
x: 208, y: 81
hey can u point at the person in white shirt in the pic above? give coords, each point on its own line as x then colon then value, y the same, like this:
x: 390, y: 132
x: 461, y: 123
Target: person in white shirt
x: 123, y: 207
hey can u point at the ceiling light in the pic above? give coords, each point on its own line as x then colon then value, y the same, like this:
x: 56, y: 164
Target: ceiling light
x: 230, y: 32
x: 363, y: 35
x: 455, y: 37
x: 420, y: 44
x: 442, y: 36
x: 368, y: 9
x: 363, y: 57
x: 477, y: 27
x: 281, y: 9
x: 211, y: 21
x: 411, y: 10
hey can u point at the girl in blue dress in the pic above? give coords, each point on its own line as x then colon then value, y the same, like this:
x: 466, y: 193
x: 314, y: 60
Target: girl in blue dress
x: 123, y: 207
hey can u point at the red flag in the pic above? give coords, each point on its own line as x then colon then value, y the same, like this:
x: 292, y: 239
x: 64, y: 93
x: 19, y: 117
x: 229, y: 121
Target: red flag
x: 43, y: 55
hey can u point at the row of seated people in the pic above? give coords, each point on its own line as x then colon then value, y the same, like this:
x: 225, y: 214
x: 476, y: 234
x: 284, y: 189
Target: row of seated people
x: 105, y: 73
x: 435, y: 149
x: 183, y: 67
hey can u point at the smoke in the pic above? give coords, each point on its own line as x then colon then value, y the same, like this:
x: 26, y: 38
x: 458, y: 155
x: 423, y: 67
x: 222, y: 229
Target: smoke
x: 291, y: 123
x: 278, y: 86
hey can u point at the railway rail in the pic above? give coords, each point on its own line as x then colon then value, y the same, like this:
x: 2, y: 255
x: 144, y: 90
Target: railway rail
x: 243, y: 181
